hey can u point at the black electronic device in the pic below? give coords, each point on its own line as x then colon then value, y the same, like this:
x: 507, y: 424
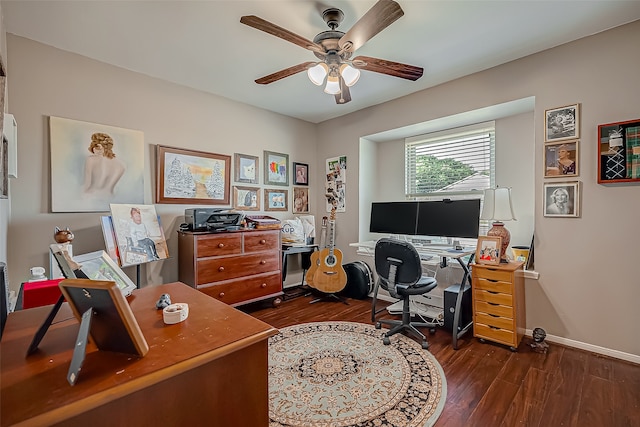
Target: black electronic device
x: 449, y: 218
x: 450, y: 297
x: 394, y: 217
x: 211, y: 219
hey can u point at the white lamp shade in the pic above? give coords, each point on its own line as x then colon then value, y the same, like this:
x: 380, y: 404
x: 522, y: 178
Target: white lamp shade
x: 497, y: 205
x: 317, y: 73
x: 333, y: 86
x: 349, y: 74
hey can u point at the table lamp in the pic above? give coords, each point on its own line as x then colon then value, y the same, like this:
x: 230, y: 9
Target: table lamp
x: 497, y: 207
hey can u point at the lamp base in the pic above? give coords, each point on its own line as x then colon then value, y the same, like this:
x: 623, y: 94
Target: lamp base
x: 499, y: 230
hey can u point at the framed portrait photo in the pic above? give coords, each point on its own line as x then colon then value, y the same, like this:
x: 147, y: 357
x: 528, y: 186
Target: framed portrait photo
x: 561, y: 159
x: 562, y: 123
x: 300, y: 200
x: 276, y: 168
x: 300, y: 173
x: 246, y: 168
x: 488, y: 250
x: 276, y: 200
x: 246, y: 198
x: 562, y: 199
x: 193, y: 177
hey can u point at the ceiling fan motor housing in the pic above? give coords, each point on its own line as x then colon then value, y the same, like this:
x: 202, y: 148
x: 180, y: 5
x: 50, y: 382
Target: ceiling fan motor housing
x: 333, y: 17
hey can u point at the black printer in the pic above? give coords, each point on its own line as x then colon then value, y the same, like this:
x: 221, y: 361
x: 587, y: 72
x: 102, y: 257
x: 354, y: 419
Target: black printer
x: 212, y: 219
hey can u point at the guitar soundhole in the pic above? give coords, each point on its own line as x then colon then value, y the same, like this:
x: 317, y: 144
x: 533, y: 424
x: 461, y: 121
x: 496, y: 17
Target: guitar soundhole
x: 330, y: 261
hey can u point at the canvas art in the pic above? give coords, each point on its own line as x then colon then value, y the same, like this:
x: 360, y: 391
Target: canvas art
x: 139, y: 236
x: 94, y: 165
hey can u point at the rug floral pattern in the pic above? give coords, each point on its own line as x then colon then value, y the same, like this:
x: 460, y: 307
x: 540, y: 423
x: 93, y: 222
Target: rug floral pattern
x: 332, y: 374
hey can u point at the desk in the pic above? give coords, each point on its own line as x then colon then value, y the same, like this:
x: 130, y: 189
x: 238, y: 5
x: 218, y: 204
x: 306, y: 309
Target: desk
x: 444, y: 253
x: 210, y: 369
x: 304, y: 250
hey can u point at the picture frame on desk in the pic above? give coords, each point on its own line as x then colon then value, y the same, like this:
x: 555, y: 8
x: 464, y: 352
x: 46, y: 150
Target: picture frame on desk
x: 488, y: 250
x: 99, y: 266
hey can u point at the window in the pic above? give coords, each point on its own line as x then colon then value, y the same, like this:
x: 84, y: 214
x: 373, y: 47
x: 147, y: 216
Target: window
x: 454, y: 163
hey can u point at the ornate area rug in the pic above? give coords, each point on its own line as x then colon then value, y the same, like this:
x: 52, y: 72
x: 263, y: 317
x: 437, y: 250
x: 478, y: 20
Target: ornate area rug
x: 331, y: 374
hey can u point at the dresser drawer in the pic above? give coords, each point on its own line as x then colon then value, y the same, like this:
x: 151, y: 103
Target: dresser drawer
x: 492, y: 308
x: 244, y: 289
x: 494, y: 334
x: 493, y: 297
x: 494, y: 286
x: 219, y: 245
x: 494, y: 274
x: 225, y: 268
x: 495, y: 321
x: 262, y: 241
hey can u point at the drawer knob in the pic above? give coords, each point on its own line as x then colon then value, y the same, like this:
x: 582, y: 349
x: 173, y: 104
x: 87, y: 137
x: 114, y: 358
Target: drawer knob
x: 263, y: 262
x: 264, y: 285
x: 221, y: 268
x: 263, y: 241
x: 221, y: 294
x: 221, y: 245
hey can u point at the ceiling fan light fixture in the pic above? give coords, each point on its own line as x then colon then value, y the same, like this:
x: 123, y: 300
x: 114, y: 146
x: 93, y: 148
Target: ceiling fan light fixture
x: 349, y: 74
x: 317, y: 73
x: 333, y: 85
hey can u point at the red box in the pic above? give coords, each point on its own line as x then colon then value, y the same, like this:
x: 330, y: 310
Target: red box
x: 42, y: 292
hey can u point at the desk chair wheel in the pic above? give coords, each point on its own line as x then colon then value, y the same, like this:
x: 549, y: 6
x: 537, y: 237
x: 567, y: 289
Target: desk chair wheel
x: 386, y: 341
x: 432, y: 331
x: 425, y: 345
x: 378, y: 325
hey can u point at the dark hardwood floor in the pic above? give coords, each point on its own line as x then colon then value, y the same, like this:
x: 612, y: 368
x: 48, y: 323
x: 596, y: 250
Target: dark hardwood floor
x: 488, y: 385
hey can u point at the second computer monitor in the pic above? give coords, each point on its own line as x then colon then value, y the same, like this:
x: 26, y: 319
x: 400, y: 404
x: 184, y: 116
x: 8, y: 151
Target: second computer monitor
x: 449, y: 218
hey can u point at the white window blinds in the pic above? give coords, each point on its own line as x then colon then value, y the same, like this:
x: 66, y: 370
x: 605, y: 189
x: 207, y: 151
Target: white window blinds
x: 456, y: 162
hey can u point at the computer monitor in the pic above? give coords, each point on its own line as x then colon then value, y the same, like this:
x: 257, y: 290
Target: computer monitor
x: 449, y: 218
x: 394, y: 217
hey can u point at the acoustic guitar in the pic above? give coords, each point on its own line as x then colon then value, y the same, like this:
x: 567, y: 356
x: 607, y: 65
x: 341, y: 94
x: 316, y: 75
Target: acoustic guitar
x: 315, y: 256
x: 329, y: 276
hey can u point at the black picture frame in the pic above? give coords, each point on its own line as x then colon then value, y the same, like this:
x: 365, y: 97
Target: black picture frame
x: 300, y: 173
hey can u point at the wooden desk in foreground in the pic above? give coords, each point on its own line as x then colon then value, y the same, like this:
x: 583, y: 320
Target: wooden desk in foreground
x: 210, y: 369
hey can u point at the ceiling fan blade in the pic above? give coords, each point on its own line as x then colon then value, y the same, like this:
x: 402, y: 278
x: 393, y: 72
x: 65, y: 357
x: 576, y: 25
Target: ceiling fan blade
x: 396, y: 69
x: 379, y: 17
x: 274, y: 30
x: 344, y: 96
x: 284, y: 73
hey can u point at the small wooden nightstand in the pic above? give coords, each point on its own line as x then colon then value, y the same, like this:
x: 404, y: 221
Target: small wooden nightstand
x: 498, y: 303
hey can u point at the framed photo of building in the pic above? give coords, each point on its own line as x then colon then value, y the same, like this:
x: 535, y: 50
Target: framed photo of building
x: 561, y: 159
x: 562, y: 199
x: 562, y: 123
x: 276, y: 168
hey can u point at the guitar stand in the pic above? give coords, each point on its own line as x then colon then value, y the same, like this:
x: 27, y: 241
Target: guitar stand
x: 329, y: 296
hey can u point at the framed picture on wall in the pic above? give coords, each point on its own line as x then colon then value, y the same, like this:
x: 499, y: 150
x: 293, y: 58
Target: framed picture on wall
x: 562, y: 123
x: 562, y: 199
x: 246, y: 198
x: 561, y: 159
x: 276, y: 200
x: 246, y: 168
x: 300, y: 173
x: 276, y: 168
x: 300, y: 200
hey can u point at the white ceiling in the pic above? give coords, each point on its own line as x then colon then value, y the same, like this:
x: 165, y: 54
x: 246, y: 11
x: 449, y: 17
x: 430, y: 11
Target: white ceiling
x: 203, y: 45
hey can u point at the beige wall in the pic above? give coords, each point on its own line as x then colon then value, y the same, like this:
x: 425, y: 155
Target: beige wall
x: 50, y: 82
x: 588, y: 286
x: 588, y: 289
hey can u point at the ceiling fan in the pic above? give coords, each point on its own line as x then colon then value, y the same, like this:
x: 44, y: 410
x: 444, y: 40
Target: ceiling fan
x: 334, y: 49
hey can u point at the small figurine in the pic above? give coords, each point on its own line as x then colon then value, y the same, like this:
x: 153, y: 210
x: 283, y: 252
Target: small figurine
x: 538, y: 344
x: 63, y: 236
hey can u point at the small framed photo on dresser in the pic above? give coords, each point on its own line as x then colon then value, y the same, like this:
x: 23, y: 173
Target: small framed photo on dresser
x: 488, y: 250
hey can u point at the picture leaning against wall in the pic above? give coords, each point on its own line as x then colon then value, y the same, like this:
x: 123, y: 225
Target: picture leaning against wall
x: 139, y: 236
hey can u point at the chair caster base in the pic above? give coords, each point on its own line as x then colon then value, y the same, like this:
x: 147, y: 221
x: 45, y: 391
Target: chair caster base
x: 386, y: 341
x: 425, y: 345
x: 432, y: 331
x: 378, y: 325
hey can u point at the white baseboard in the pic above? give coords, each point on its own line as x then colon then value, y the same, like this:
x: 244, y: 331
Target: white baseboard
x: 590, y: 347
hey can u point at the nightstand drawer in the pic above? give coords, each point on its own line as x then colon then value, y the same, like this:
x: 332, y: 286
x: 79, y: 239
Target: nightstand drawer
x: 494, y: 286
x: 494, y: 274
x: 495, y: 321
x: 492, y: 308
x: 493, y: 297
x: 494, y: 334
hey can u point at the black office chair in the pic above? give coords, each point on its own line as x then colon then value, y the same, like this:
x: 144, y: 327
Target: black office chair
x: 400, y: 273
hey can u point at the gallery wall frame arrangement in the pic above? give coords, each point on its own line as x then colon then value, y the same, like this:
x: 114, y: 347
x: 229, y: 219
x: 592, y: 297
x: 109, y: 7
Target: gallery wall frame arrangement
x: 561, y: 159
x: 94, y: 165
x: 276, y: 168
x: 619, y: 152
x: 562, y: 123
x: 300, y: 200
x: 246, y: 198
x: 561, y: 199
x: 300, y: 173
x: 192, y: 177
x: 276, y: 200
x: 246, y: 168
x: 488, y: 250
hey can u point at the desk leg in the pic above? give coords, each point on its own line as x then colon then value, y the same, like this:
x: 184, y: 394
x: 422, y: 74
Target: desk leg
x: 284, y: 266
x: 457, y: 315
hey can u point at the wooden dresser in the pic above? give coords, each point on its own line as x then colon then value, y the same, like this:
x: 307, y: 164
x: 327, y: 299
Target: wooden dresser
x: 235, y: 267
x: 498, y: 303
